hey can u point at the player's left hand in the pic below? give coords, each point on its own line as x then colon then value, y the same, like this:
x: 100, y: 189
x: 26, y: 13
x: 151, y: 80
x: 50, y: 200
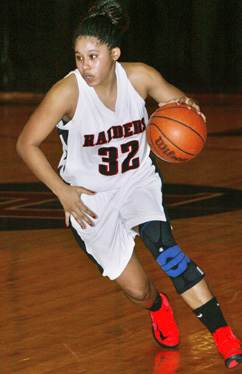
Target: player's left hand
x: 185, y: 100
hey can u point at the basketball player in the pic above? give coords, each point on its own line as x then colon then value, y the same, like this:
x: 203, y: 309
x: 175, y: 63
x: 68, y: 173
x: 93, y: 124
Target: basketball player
x: 109, y: 187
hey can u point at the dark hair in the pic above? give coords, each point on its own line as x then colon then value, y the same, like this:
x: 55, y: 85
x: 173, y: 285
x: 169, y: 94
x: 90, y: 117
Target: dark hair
x: 107, y: 21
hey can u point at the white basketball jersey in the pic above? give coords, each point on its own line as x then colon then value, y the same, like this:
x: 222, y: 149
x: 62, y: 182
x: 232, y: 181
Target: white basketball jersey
x: 102, y: 149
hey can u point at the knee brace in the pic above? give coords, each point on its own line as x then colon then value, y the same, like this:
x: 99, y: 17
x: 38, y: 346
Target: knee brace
x: 158, y: 238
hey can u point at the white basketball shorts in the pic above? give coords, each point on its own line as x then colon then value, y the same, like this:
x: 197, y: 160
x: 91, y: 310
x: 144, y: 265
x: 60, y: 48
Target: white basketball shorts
x: 110, y: 243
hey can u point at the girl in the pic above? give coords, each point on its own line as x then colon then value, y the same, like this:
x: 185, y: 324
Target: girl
x: 109, y: 187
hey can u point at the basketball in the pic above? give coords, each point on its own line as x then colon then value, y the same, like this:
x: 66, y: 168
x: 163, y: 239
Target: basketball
x: 176, y: 133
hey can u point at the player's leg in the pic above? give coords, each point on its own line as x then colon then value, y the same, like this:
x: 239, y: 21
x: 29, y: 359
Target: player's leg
x: 137, y: 287
x: 141, y: 291
x: 211, y: 316
x: 190, y: 283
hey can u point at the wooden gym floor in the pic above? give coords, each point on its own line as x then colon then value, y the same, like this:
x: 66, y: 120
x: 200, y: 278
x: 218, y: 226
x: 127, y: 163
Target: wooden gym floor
x: 59, y: 316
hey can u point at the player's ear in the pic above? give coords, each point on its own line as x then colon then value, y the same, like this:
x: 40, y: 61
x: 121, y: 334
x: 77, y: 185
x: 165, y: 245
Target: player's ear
x: 116, y: 53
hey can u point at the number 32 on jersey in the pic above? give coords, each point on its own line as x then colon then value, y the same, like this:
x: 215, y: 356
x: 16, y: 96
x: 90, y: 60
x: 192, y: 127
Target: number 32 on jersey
x: 110, y: 157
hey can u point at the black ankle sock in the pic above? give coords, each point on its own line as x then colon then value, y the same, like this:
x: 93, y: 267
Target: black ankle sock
x: 157, y: 304
x: 211, y: 315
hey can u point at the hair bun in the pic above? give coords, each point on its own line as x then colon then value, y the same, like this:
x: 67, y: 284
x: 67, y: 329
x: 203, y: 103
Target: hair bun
x: 113, y: 10
x: 107, y: 21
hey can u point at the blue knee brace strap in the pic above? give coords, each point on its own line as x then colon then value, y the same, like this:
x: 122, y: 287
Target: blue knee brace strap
x: 158, y: 238
x: 173, y: 261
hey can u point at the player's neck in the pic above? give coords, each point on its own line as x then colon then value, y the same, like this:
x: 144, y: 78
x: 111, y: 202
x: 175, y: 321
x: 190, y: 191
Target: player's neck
x: 107, y: 93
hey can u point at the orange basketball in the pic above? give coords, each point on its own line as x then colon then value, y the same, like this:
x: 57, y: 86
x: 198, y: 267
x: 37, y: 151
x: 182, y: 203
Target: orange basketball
x: 176, y: 133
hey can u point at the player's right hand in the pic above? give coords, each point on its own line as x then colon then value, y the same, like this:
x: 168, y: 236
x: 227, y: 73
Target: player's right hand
x: 70, y: 198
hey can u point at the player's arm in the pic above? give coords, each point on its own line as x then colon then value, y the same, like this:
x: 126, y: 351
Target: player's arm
x: 163, y: 92
x: 59, y: 103
x: 148, y: 81
x: 51, y: 110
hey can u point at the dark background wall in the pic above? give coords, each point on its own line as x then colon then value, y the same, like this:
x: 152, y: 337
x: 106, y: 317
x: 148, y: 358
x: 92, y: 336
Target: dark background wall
x: 195, y: 44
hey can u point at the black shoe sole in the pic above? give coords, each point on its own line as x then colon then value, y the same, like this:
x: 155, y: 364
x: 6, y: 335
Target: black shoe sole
x: 237, y: 358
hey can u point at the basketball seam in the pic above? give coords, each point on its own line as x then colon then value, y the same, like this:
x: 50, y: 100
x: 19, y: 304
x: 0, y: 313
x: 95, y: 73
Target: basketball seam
x: 151, y: 139
x: 190, y: 154
x: 175, y: 120
x: 176, y: 107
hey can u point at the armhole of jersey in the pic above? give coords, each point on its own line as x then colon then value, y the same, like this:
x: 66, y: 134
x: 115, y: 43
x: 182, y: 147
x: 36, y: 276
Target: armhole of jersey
x: 124, y: 71
x: 79, y: 107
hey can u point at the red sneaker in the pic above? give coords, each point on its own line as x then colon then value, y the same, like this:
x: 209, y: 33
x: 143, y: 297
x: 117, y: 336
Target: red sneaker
x: 164, y: 328
x: 228, y: 346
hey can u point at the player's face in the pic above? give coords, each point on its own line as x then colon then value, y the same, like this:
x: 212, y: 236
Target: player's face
x: 94, y: 61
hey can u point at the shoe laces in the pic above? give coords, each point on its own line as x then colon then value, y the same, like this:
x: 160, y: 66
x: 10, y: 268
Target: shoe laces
x: 158, y: 316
